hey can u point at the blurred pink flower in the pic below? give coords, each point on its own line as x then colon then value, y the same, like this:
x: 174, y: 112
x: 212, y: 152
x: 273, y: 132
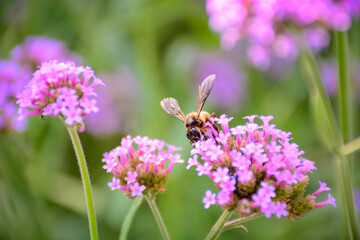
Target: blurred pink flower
x: 118, y: 103
x: 264, y: 25
x: 230, y: 85
x: 12, y: 80
x: 38, y: 49
x: 16, y: 72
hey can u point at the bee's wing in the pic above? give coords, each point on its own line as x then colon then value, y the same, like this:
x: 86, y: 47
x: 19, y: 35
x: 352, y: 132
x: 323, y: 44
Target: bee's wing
x: 204, y: 91
x: 171, y: 106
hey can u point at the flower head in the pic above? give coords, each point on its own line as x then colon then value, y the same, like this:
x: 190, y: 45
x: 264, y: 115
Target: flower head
x: 117, y: 103
x: 12, y: 79
x: 230, y: 81
x: 257, y: 169
x: 265, y: 25
x: 38, y: 49
x: 60, y: 89
x: 140, y: 164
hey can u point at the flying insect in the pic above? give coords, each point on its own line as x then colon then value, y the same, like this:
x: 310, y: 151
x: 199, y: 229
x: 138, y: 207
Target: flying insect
x: 194, y: 121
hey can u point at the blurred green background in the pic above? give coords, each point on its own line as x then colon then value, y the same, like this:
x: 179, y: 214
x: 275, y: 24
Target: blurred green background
x: 159, y: 42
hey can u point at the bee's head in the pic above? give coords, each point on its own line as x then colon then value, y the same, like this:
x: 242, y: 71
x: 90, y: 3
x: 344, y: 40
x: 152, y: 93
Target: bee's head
x: 193, y: 135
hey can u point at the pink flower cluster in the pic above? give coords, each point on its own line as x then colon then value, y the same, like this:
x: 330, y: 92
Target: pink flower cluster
x: 12, y: 80
x: 144, y: 167
x: 256, y: 169
x: 117, y: 103
x: 265, y: 25
x: 60, y: 89
x: 38, y: 49
x: 16, y: 72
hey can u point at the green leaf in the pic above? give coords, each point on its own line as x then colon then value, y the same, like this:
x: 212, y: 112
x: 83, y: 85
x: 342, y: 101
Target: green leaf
x: 321, y: 108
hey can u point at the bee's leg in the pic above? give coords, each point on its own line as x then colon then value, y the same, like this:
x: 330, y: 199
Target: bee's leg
x: 204, y: 137
x: 212, y: 123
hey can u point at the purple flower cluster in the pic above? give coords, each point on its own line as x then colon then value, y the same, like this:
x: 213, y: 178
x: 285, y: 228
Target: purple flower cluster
x: 117, y: 103
x: 12, y: 80
x: 256, y: 169
x: 144, y: 167
x: 16, y: 72
x: 60, y: 89
x: 265, y: 25
x: 38, y: 49
x: 230, y: 82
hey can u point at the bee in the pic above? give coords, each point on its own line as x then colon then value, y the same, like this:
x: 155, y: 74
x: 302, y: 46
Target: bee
x: 194, y: 121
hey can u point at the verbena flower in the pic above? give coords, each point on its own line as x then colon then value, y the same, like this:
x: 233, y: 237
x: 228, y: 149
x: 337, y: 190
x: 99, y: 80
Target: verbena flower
x: 230, y: 82
x: 117, y: 103
x: 256, y: 168
x: 60, y: 89
x: 140, y: 164
x: 38, y: 49
x: 12, y: 80
x: 265, y: 25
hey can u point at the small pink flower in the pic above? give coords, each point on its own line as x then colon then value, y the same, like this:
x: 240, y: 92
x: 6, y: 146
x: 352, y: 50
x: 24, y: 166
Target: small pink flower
x: 323, y: 187
x: 115, y: 184
x: 131, y: 178
x: 209, y: 199
x: 330, y: 200
x: 203, y: 169
x: 137, y: 190
x: 221, y: 175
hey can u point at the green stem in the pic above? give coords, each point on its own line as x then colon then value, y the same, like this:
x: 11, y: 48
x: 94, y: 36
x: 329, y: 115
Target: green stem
x: 219, y: 225
x: 347, y: 198
x: 85, y: 180
x: 236, y: 222
x: 125, y: 227
x: 151, y: 201
x: 346, y: 127
x: 351, y: 147
x: 344, y: 84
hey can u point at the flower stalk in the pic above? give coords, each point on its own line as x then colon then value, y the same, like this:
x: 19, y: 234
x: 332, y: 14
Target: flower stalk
x: 85, y: 180
x: 344, y: 85
x: 150, y: 198
x: 346, y: 129
x: 219, y: 225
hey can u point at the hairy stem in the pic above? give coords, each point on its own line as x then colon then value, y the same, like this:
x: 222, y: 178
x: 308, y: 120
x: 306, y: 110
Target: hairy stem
x: 346, y: 128
x: 85, y: 180
x: 219, y: 225
x: 152, y: 204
